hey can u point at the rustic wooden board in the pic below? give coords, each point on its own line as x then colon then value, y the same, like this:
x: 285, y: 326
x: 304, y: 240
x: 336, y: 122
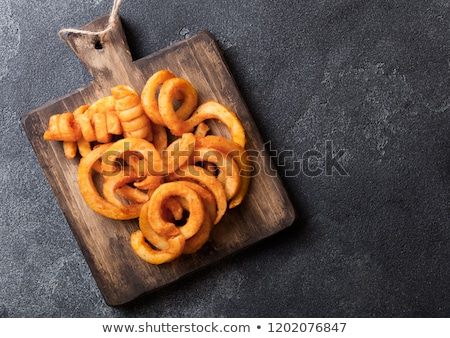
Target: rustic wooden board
x: 120, y: 275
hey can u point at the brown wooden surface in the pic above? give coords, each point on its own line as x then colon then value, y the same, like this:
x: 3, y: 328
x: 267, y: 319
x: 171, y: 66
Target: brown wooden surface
x: 120, y: 275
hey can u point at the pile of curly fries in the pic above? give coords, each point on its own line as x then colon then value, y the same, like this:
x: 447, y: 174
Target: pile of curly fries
x: 157, y: 162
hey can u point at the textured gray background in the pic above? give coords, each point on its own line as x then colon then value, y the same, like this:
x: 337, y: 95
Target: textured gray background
x: 371, y: 77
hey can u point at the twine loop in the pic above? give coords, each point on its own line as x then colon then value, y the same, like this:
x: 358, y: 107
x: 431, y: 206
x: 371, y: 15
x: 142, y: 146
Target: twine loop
x: 111, y: 24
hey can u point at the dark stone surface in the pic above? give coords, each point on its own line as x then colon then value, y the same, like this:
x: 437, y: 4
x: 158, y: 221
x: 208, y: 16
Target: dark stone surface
x: 367, y: 82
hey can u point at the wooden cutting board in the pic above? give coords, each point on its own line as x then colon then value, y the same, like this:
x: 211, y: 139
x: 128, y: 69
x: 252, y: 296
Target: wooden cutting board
x: 119, y: 273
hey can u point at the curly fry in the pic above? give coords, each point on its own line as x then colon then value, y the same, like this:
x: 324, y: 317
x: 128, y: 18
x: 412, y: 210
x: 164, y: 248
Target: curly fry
x: 101, y: 129
x: 98, y: 122
x: 209, y: 201
x: 132, y: 194
x: 199, y: 175
x: 168, y: 239
x: 195, y: 207
x: 151, y: 158
x: 152, y: 161
x: 149, y: 97
x: 194, y: 243
x: 178, y: 152
x: 87, y: 129
x: 112, y: 183
x: 89, y: 191
x: 237, y: 153
x: 80, y: 110
x: 131, y: 114
x: 159, y: 137
x: 202, y: 129
x: 152, y: 256
x: 70, y: 149
x: 62, y: 127
x: 84, y: 147
x: 207, y: 110
x: 106, y: 104
x: 228, y: 170
x: 162, y: 250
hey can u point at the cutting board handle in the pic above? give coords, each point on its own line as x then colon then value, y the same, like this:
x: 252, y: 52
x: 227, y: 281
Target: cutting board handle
x: 107, y: 56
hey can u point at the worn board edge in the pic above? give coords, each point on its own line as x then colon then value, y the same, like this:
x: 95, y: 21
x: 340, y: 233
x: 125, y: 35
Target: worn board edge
x: 27, y: 122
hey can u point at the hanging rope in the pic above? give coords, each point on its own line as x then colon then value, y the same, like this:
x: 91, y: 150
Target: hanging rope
x: 111, y: 24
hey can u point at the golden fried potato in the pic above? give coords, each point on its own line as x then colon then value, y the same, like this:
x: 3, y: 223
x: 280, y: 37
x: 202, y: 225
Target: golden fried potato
x: 89, y: 192
x: 179, y: 191
x: 131, y: 114
x: 149, y: 96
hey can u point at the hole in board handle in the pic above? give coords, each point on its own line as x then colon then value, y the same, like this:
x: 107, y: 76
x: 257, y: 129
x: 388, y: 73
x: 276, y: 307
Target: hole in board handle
x: 97, y: 43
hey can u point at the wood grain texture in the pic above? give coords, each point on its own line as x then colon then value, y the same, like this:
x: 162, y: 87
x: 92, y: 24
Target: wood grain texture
x: 120, y: 275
